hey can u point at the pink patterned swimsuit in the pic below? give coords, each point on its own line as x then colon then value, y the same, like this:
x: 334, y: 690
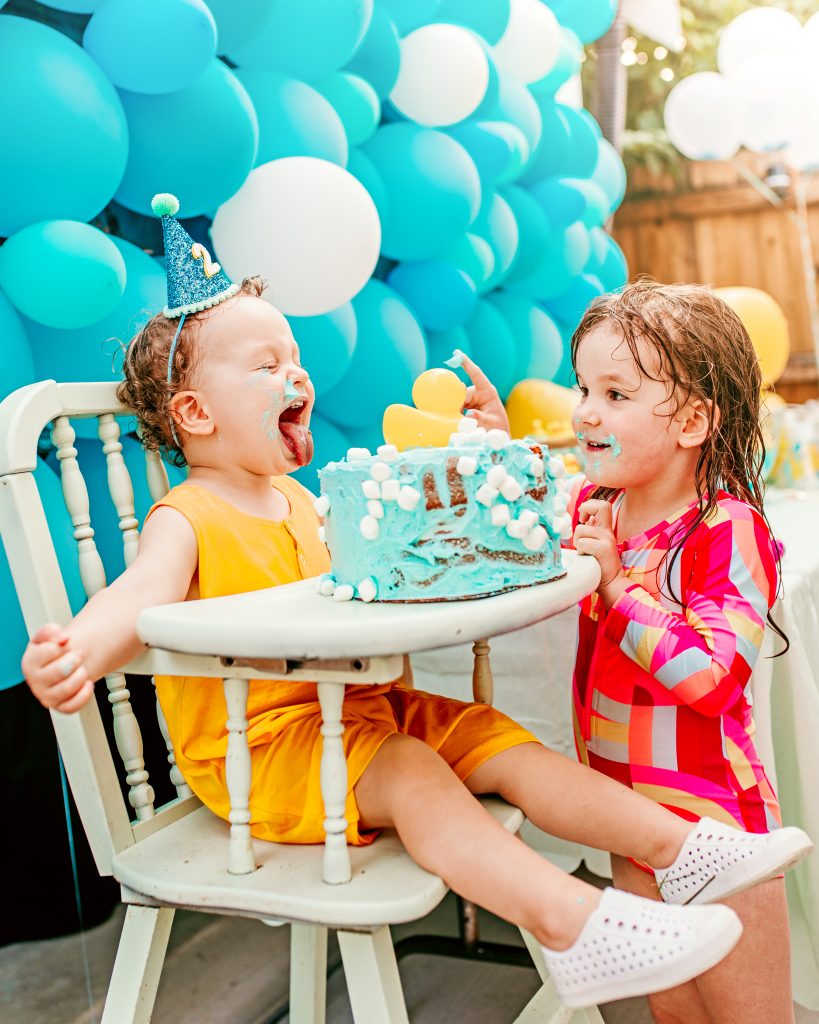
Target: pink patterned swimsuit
x: 661, y: 690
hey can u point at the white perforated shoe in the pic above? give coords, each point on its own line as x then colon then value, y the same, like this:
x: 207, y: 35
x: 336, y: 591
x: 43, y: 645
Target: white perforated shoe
x: 717, y: 861
x: 632, y: 946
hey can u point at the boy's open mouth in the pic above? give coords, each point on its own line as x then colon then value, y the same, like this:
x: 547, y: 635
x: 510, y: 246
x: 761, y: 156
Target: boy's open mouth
x: 596, y: 446
x: 295, y: 432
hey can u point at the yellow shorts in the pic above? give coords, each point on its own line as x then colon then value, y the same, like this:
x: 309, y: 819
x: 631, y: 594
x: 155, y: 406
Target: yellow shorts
x: 285, y: 795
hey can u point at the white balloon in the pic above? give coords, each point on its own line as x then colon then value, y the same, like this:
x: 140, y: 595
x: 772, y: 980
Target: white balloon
x: 443, y: 77
x: 759, y: 31
x: 305, y: 225
x: 699, y: 117
x: 766, y: 93
x: 803, y: 153
x: 530, y: 45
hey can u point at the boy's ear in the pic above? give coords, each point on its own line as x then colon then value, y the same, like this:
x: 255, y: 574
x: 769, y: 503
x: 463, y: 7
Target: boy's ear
x: 189, y: 412
x: 694, y: 427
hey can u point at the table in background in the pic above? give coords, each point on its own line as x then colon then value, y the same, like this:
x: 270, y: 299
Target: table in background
x: 533, y: 669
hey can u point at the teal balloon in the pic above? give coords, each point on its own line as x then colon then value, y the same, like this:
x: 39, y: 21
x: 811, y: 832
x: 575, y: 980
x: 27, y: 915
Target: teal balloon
x: 390, y: 353
x: 588, y: 20
x: 499, y: 149
x: 609, y: 173
x: 440, y: 294
x: 356, y: 103
x: 15, y: 633
x: 16, y: 359
x: 122, y: 38
x: 474, y: 256
x: 64, y: 135
x: 326, y: 345
x: 378, y: 58
x: 583, y: 148
x: 591, y: 121
x: 560, y: 199
x: 568, y: 251
x: 534, y: 233
x: 62, y: 273
x: 606, y: 261
x: 493, y: 347
x: 442, y: 345
x: 362, y: 168
x: 238, y: 21
x: 551, y: 157
x: 74, y: 6
x: 497, y: 225
x: 294, y: 118
x: 571, y: 304
x: 95, y: 352
x: 565, y: 375
x: 330, y: 444
x: 433, y: 189
x: 208, y: 161
x: 516, y: 105
x: 489, y: 18
x: 537, y: 338
x: 410, y: 14
x: 307, y: 39
x: 569, y: 59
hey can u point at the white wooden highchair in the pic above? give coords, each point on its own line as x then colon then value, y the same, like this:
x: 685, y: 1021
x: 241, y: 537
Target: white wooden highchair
x: 180, y: 855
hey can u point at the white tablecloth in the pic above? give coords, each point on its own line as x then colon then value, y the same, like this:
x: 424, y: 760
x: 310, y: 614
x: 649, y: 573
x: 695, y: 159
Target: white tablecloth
x: 533, y: 667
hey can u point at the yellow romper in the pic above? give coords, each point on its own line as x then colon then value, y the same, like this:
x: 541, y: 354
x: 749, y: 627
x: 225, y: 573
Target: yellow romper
x: 239, y: 552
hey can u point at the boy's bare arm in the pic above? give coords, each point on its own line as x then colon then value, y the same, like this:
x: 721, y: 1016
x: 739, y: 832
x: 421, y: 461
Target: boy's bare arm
x: 60, y: 664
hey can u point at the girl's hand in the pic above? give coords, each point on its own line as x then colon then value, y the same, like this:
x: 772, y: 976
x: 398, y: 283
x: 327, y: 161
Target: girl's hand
x: 55, y: 672
x: 594, y: 536
x: 483, y: 399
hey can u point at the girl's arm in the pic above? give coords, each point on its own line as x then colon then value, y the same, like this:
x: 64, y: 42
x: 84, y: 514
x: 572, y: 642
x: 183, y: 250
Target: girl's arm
x: 704, y: 655
x: 60, y: 664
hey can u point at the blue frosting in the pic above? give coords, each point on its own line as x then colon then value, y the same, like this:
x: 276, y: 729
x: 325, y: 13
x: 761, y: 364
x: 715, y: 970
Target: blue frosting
x: 447, y: 547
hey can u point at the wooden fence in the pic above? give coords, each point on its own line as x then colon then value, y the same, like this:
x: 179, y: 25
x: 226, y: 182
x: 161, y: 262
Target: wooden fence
x: 718, y: 229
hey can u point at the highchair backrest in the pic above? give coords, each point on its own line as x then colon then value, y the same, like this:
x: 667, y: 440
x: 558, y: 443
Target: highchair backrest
x: 27, y: 538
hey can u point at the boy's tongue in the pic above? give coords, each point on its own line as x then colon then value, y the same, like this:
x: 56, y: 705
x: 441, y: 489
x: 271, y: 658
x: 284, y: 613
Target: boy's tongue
x: 298, y: 439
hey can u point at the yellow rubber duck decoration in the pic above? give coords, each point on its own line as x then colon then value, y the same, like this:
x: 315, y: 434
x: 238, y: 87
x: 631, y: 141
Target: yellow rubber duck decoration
x: 439, y: 397
x: 542, y: 409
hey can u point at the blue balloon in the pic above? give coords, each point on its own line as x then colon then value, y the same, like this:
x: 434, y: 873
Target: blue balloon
x: 498, y: 148
x: 535, y: 236
x: 493, y: 346
x: 433, y: 189
x: 294, y: 119
x: 536, y: 335
x: 410, y: 14
x: 517, y: 105
x: 489, y: 18
x: 609, y: 173
x: 356, y: 103
x: 566, y: 256
x: 560, y: 199
x: 74, y: 6
x: 551, y: 157
x: 378, y: 58
x: 583, y: 148
x: 588, y: 20
x: 15, y: 634
x: 566, y: 66
x: 442, y: 344
x: 122, y: 38
x: 84, y: 270
x: 218, y: 114
x: 498, y: 226
x: 440, y: 294
x: 329, y: 445
x: 474, y: 256
x: 96, y: 352
x: 307, y: 38
x: 571, y: 304
x: 65, y: 138
x: 362, y: 168
x: 391, y: 352
x: 565, y: 375
x: 326, y: 345
x: 606, y: 262
x: 238, y: 21
x: 16, y: 360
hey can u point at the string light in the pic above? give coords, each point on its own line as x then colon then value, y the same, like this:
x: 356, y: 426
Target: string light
x: 667, y: 74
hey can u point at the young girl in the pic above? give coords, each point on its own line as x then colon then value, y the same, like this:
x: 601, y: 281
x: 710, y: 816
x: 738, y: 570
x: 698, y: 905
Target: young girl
x: 672, y: 510
x: 224, y: 390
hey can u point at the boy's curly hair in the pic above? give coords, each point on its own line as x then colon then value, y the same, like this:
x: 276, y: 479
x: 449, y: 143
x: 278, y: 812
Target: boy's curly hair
x: 146, y: 388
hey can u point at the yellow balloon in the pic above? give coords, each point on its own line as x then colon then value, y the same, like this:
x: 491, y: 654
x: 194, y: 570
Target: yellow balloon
x: 542, y: 408
x: 439, y: 397
x: 766, y: 325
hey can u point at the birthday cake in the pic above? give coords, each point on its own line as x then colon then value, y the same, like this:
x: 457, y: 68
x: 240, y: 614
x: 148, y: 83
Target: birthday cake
x: 478, y: 516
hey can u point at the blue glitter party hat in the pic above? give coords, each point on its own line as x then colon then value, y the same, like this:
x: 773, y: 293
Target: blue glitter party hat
x: 195, y: 281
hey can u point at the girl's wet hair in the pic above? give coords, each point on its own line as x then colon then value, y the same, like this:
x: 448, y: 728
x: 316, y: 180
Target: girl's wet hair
x: 146, y: 388
x: 700, y: 349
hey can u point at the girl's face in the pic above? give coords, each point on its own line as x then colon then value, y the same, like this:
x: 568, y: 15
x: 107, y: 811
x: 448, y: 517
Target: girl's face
x: 626, y: 423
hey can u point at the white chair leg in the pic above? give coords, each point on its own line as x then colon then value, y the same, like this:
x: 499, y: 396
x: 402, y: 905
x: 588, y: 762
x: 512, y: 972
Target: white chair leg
x: 308, y: 973
x: 140, y: 955
x: 545, y: 1007
x: 372, y: 977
